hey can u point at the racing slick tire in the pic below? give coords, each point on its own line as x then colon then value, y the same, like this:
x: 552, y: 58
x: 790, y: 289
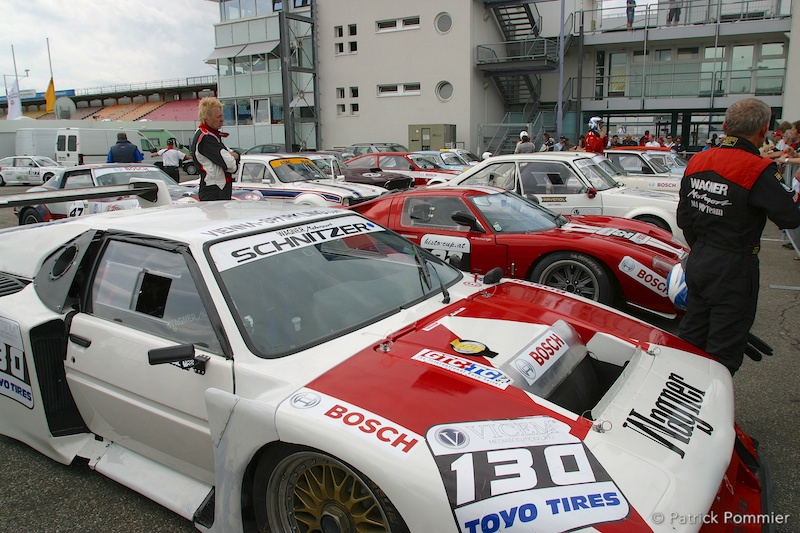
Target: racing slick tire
x: 296, y: 488
x: 575, y: 273
x: 657, y: 222
x: 30, y: 216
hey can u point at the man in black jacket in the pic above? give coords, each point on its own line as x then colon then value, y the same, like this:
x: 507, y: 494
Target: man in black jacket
x: 726, y: 195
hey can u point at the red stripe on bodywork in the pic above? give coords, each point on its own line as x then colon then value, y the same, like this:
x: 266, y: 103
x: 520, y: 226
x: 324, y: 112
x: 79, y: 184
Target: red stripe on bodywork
x: 418, y: 396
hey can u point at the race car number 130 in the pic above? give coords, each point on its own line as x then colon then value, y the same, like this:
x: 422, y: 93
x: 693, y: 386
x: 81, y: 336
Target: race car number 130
x: 509, y: 475
x: 15, y: 382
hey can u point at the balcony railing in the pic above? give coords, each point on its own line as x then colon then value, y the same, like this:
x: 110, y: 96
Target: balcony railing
x: 149, y: 86
x: 528, y: 50
x: 692, y: 12
x: 759, y: 82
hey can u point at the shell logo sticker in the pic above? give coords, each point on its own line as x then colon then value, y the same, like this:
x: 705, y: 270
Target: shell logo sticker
x: 465, y: 347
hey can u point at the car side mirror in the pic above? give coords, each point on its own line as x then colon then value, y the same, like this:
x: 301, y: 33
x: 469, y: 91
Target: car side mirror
x: 533, y: 198
x: 462, y: 218
x: 592, y: 192
x: 182, y: 353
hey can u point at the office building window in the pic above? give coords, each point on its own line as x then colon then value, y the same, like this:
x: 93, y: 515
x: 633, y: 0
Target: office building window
x: 407, y: 23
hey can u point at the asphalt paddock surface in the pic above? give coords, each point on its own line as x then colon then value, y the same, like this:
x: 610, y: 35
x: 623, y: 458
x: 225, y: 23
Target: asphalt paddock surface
x: 38, y: 494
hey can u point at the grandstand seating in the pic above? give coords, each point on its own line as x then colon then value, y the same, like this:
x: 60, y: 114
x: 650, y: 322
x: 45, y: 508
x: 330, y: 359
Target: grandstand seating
x: 141, y: 111
x: 86, y: 112
x: 178, y: 110
x: 113, y: 112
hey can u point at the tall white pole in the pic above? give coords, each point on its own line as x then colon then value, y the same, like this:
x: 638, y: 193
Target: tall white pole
x: 14, y: 57
x: 49, y: 60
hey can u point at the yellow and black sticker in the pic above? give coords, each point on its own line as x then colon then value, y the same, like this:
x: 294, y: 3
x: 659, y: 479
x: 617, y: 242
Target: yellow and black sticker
x: 466, y: 347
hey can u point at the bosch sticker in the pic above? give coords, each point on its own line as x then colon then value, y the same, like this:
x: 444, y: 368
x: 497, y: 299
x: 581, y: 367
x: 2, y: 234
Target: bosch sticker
x: 483, y: 373
x: 15, y: 382
x: 232, y: 253
x: 373, y: 428
x: 647, y: 277
x: 538, y: 356
x: 527, y: 474
x: 663, y: 184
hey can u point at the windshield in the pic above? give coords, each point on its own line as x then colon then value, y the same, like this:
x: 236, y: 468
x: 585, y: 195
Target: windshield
x: 424, y: 162
x: 296, y: 287
x: 123, y: 175
x: 508, y: 212
x: 46, y: 162
x: 656, y: 162
x: 450, y: 158
x: 324, y: 164
x: 610, y: 166
x: 669, y: 159
x: 599, y: 178
x: 296, y: 169
x: 468, y: 157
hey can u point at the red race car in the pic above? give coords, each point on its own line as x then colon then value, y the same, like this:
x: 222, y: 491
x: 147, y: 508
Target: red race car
x: 611, y: 260
x: 417, y: 166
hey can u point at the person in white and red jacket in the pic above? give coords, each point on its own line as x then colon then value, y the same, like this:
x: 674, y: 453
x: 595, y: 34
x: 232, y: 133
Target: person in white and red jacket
x: 215, y: 162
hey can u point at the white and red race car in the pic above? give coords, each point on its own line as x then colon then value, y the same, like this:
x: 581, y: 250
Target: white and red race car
x: 288, y: 369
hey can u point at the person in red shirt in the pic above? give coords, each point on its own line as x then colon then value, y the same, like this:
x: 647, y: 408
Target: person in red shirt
x: 595, y: 138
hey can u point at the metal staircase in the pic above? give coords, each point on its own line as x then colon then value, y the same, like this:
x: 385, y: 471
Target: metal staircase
x: 515, y: 67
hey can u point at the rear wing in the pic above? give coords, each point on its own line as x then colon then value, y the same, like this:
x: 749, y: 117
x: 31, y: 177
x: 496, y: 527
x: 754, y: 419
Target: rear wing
x: 150, y: 193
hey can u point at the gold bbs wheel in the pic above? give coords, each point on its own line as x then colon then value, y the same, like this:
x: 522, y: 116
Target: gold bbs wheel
x: 306, y: 491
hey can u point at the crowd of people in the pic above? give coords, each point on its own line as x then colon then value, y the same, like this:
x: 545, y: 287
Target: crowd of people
x: 600, y: 141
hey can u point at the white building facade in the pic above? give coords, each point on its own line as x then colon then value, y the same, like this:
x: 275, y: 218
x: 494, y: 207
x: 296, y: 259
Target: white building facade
x: 473, y: 73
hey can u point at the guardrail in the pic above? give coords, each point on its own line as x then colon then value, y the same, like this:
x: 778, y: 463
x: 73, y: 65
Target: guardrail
x: 149, y: 85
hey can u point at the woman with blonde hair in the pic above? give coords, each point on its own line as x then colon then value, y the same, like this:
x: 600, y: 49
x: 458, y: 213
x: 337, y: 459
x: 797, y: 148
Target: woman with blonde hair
x: 215, y: 162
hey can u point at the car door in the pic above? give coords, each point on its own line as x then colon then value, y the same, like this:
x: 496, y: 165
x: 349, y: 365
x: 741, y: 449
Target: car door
x: 142, y: 297
x: 428, y: 221
x: 23, y: 170
x: 559, y: 187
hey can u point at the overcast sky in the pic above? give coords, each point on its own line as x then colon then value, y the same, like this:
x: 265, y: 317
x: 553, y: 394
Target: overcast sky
x: 95, y: 43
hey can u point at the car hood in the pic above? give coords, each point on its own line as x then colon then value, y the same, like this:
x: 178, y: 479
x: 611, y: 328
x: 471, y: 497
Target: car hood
x: 372, y: 176
x: 599, y: 228
x: 340, y: 187
x: 639, y: 195
x: 662, y: 432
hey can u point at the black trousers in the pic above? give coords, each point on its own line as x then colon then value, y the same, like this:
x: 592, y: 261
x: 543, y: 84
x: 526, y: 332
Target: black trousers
x: 722, y: 301
x: 173, y: 173
x: 212, y: 192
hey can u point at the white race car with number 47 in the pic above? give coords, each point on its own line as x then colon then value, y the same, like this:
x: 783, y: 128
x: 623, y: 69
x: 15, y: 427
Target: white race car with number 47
x: 274, y: 368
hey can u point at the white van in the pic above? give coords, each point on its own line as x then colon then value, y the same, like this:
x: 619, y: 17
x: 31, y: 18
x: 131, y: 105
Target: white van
x: 79, y: 146
x: 36, y: 141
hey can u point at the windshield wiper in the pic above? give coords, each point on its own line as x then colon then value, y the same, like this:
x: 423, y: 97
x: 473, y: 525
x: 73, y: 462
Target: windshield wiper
x: 425, y: 274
